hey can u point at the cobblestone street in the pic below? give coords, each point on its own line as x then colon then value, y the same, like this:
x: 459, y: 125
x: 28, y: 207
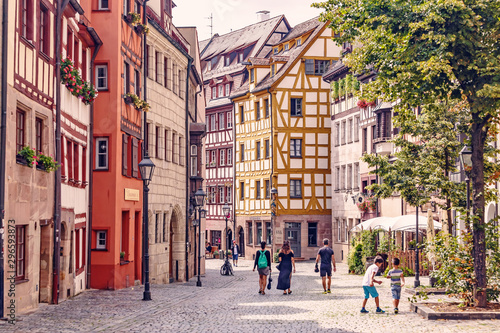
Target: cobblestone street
x: 232, y: 304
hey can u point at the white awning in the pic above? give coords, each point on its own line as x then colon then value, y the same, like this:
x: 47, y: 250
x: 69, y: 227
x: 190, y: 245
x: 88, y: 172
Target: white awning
x: 398, y: 223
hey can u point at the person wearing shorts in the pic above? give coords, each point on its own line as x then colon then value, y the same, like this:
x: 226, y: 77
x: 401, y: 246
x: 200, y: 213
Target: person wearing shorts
x: 326, y: 255
x: 397, y: 281
x: 263, y: 271
x: 236, y: 251
x: 368, y: 287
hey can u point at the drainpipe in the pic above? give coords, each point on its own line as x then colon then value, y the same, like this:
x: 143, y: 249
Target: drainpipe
x: 3, y: 138
x: 61, y: 4
x: 188, y: 71
x: 271, y: 144
x: 98, y: 43
x: 145, y: 142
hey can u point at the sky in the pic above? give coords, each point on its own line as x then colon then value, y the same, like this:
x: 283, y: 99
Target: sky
x: 231, y: 15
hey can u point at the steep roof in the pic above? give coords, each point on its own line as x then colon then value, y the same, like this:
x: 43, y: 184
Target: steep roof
x: 290, y: 56
x: 335, y: 70
x: 256, y: 33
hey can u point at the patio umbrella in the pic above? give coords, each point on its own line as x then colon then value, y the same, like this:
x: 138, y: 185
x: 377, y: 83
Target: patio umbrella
x: 374, y: 223
x: 407, y: 223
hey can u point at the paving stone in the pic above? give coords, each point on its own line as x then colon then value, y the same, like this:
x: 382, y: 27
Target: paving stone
x: 232, y: 304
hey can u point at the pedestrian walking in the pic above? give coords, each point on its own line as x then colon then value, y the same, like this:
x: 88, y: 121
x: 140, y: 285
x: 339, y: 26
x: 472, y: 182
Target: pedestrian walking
x: 236, y: 251
x: 327, y: 257
x: 263, y: 264
x: 368, y: 286
x: 287, y: 260
x: 396, y: 275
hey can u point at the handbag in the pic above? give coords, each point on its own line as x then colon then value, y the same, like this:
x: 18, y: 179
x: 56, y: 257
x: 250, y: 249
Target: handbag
x: 270, y: 280
x: 316, y: 269
x: 278, y: 266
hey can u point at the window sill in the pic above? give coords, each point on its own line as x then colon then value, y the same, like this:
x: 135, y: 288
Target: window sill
x: 296, y: 157
x: 295, y: 115
x: 100, y: 250
x: 124, y: 262
x: 45, y: 56
x: 27, y: 42
x: 106, y: 169
x: 22, y: 281
x: 312, y: 245
x: 295, y: 197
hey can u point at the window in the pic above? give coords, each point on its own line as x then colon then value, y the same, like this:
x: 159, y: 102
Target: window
x: 342, y: 177
x: 175, y: 88
x: 337, y: 134
x: 259, y: 232
x: 69, y: 155
x: 229, y: 156
x: 321, y: 66
x: 342, y: 132
x: 165, y: 227
x: 267, y: 148
x: 69, y: 43
x: 38, y: 133
x: 252, y: 75
x: 214, y: 92
x: 213, y: 125
x: 242, y: 191
x: 269, y: 232
x: 101, y: 157
x: 101, y: 77
x: 44, y: 38
x: 213, y: 197
x: 229, y: 117
x: 101, y: 240
x: 355, y: 184
x: 250, y: 233
x: 257, y: 189
x: 349, y: 176
x: 20, y: 252
x: 26, y: 20
x: 257, y: 110
x: 168, y: 153
x: 266, y: 108
x: 213, y: 159
x: 268, y: 193
x: 137, y: 82
x: 365, y: 140
x: 295, y: 147
x: 339, y: 232
x: 240, y: 57
x: 257, y: 150
x: 126, y: 78
x: 20, y: 129
x: 165, y: 72
x: 146, y: 56
x: 312, y: 234
x: 222, y: 157
x: 287, y: 46
x: 296, y: 107
x: 276, y: 50
x: 229, y: 194
x: 84, y: 64
x: 299, y: 42
x: 76, y: 163
x: 126, y: 7
x: 221, y: 194
x: 221, y: 121
x: 194, y: 166
x: 242, y: 152
x: 216, y: 236
x: 242, y: 114
x: 157, y: 142
x: 349, y: 130
x: 227, y: 60
x: 221, y: 90
x: 337, y: 178
x: 356, y: 129
x: 295, y: 188
x: 228, y: 90
x: 273, y: 67
x: 157, y: 228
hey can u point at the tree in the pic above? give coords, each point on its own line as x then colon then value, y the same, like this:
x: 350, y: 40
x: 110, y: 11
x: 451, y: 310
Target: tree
x: 423, y: 50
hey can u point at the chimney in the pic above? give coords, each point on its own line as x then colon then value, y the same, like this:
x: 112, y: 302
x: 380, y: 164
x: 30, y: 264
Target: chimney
x: 263, y: 15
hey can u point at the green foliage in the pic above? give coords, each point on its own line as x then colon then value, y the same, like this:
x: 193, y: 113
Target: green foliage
x: 335, y: 90
x: 276, y: 256
x: 139, y: 104
x: 368, y: 240
x: 29, y: 155
x: 455, y: 270
x: 355, y: 260
x: 49, y: 164
x: 70, y: 77
x: 408, y: 271
x: 134, y: 18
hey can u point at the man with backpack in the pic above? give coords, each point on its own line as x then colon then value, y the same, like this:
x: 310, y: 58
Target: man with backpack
x: 263, y: 264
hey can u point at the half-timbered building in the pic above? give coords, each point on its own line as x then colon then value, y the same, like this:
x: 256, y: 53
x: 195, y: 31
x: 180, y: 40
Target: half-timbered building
x: 282, y: 117
x: 224, y: 70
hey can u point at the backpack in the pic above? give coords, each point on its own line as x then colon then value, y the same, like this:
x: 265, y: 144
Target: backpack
x: 262, y: 263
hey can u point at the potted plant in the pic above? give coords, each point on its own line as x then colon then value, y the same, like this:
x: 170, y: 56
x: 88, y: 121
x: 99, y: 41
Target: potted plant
x: 27, y: 156
x: 48, y: 163
x: 229, y: 253
x: 122, y: 256
x: 141, y: 28
x: 216, y: 254
x: 362, y: 104
x: 371, y: 103
x: 130, y: 98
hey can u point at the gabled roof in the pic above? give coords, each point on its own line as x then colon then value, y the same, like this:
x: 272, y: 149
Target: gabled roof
x: 337, y: 69
x: 291, y: 57
x: 256, y: 33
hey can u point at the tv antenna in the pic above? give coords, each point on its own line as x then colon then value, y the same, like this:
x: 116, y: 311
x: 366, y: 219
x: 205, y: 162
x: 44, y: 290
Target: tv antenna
x: 211, y: 25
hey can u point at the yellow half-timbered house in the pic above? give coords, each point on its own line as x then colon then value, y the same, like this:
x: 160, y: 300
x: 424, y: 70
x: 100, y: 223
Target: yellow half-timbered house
x: 282, y: 142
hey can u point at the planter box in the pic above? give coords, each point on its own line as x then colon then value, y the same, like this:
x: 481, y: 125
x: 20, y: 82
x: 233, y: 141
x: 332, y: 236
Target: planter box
x: 128, y: 100
x: 21, y: 160
x: 139, y: 29
x: 430, y: 314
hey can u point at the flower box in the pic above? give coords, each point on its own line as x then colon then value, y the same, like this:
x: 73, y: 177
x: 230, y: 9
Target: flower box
x: 21, y: 160
x: 128, y: 99
x: 141, y: 29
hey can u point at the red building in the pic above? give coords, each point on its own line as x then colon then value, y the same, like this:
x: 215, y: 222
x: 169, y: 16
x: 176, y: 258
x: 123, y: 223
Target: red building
x: 117, y: 199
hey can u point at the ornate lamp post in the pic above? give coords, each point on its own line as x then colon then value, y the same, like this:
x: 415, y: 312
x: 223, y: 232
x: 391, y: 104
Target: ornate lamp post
x: 146, y: 168
x: 466, y: 163
x: 226, y: 267
x: 199, y: 200
x: 274, y: 195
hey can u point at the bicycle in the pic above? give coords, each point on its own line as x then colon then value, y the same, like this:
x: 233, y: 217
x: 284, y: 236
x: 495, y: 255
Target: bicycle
x: 226, y: 268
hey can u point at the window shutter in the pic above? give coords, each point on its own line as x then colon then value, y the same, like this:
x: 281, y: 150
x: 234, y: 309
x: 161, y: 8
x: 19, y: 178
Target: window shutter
x: 124, y: 154
x: 309, y: 66
x: 135, y: 157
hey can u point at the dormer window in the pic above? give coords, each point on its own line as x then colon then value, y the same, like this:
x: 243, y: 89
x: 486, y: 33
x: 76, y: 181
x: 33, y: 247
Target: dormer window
x: 286, y: 47
x: 214, y: 92
x: 240, y: 57
x: 227, y: 60
x: 273, y: 68
x: 221, y: 90
x: 213, y: 61
x: 227, y: 89
x: 299, y: 42
x: 252, y: 75
x: 276, y: 50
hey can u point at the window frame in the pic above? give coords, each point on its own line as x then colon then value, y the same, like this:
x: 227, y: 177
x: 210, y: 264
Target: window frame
x: 221, y: 120
x: 312, y: 226
x: 20, y: 129
x: 294, y: 144
x: 257, y: 110
x: 229, y: 156
x: 38, y: 135
x: 257, y: 150
x: 100, y: 6
x: 104, y: 77
x: 296, y: 104
x: 242, y: 191
x: 106, y: 154
x: 20, y: 259
x: 26, y: 25
x: 222, y: 157
x: 44, y: 31
x: 257, y: 190
x: 98, y: 246
x: 229, y: 120
x: 214, y: 92
x: 267, y: 148
x: 242, y: 152
x: 294, y: 185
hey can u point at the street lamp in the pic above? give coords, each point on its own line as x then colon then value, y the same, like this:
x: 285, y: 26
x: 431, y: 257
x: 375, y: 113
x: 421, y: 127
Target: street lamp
x: 226, y: 267
x: 199, y: 200
x: 274, y: 195
x: 466, y: 163
x: 146, y: 168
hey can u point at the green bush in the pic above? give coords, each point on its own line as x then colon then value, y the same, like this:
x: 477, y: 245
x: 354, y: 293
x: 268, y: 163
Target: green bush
x: 276, y: 256
x: 355, y: 260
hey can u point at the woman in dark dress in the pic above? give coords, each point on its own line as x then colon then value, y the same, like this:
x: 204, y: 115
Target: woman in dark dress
x: 286, y: 260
